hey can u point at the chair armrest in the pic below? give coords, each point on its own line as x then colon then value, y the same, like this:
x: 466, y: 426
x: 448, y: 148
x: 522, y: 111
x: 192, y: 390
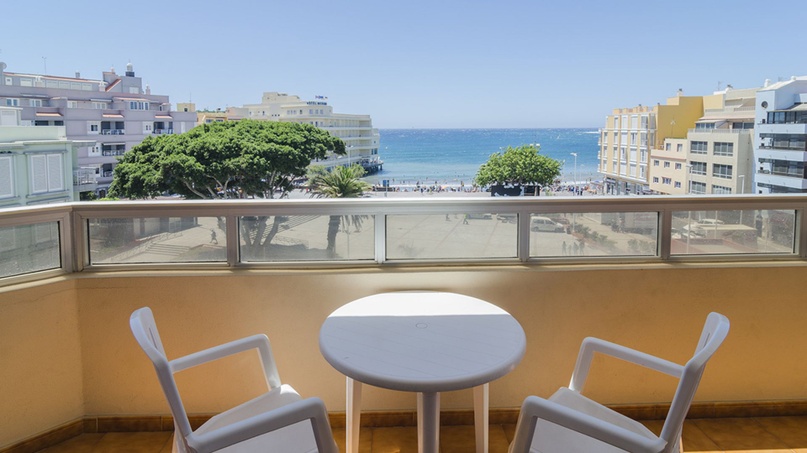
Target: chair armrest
x: 259, y: 342
x: 535, y: 408
x: 591, y: 345
x: 308, y: 409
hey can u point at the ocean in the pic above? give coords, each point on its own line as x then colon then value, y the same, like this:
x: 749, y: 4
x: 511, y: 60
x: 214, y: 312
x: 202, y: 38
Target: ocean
x: 453, y: 156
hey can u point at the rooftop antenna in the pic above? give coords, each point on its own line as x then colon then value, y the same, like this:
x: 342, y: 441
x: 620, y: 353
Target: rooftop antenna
x: 45, y: 65
x: 718, y: 85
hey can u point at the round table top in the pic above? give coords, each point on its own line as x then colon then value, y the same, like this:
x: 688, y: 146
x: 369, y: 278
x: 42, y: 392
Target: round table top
x: 422, y: 341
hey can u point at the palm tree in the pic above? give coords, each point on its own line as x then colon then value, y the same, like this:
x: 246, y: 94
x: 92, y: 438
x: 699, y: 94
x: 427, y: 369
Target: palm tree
x: 340, y: 182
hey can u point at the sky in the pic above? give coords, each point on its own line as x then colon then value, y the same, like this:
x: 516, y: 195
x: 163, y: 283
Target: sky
x: 419, y: 63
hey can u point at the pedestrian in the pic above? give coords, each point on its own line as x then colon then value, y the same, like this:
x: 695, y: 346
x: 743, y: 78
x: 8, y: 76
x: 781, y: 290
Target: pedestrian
x: 563, y: 248
x: 213, y: 239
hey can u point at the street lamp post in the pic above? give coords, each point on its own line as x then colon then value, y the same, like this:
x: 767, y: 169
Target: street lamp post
x: 575, y: 172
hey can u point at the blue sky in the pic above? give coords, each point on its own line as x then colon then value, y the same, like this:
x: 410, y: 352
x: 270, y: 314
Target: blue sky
x: 416, y: 63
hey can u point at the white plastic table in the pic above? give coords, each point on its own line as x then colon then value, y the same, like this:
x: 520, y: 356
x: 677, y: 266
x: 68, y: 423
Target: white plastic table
x: 424, y: 342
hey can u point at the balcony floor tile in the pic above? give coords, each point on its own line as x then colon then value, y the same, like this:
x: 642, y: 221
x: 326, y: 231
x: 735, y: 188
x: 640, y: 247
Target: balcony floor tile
x: 737, y: 435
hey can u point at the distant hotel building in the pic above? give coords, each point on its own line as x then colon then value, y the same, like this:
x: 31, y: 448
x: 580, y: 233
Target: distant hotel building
x: 109, y: 115
x: 361, y: 139
x: 781, y: 137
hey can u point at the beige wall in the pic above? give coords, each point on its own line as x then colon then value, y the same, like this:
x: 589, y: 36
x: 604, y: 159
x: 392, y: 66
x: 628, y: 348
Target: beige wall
x: 67, y: 350
x: 40, y: 359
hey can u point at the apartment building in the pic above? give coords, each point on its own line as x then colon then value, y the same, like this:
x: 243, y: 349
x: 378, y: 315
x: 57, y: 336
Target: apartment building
x: 631, y: 133
x: 38, y: 164
x: 780, y: 139
x: 668, y: 167
x: 357, y: 131
x: 720, y: 145
x: 108, y: 116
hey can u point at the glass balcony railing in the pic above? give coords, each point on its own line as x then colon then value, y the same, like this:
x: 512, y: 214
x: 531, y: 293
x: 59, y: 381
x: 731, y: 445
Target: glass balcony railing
x: 380, y: 232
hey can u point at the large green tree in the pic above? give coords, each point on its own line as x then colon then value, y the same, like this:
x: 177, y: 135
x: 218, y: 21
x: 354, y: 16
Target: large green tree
x: 518, y: 166
x: 231, y: 159
x: 340, y: 182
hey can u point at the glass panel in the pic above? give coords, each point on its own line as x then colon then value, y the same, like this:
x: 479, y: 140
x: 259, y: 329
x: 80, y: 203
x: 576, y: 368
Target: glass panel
x: 452, y: 236
x: 594, y: 234
x: 29, y: 248
x: 307, y: 238
x: 157, y: 240
x: 733, y: 232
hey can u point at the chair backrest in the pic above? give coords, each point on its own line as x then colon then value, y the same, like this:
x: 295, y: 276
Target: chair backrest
x: 714, y: 332
x: 145, y: 332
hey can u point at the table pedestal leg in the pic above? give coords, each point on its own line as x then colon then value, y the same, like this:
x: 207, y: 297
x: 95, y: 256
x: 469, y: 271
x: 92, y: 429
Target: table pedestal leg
x: 481, y: 417
x: 428, y: 422
x: 353, y: 415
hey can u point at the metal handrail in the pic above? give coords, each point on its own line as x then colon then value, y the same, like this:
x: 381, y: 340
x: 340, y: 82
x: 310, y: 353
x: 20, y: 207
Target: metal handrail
x: 75, y: 216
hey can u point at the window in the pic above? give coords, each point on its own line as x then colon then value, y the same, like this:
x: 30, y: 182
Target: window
x: 679, y: 147
x: 46, y: 173
x: 655, y: 179
x: 703, y: 126
x: 721, y: 171
x: 678, y: 166
x: 11, y: 102
x: 100, y: 105
x: 698, y: 147
x: 666, y: 180
x: 655, y: 162
x: 666, y: 147
x: 138, y: 105
x: 666, y: 165
x: 697, y: 187
x: 698, y: 168
x: 677, y: 184
x: 93, y: 127
x: 721, y: 190
x: 724, y: 149
x: 72, y: 104
x: 35, y: 102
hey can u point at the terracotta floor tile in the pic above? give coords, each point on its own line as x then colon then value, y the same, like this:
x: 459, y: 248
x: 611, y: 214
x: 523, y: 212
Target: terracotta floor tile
x: 132, y: 442
x: 462, y: 439
x: 790, y: 430
x: 78, y: 444
x: 695, y: 440
x: 395, y: 440
x: 365, y: 439
x: 740, y: 434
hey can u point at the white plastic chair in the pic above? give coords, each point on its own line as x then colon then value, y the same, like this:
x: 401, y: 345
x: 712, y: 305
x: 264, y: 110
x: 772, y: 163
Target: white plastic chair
x: 568, y: 422
x: 278, y: 421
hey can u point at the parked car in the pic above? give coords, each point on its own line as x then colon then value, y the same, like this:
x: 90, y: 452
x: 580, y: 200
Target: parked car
x: 546, y: 224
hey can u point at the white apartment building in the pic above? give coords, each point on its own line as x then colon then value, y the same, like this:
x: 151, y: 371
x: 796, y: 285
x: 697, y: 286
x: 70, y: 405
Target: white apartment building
x: 780, y: 139
x: 361, y: 139
x: 109, y: 115
x: 37, y: 164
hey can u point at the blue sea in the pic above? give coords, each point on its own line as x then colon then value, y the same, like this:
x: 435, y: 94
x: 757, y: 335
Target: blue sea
x: 453, y: 156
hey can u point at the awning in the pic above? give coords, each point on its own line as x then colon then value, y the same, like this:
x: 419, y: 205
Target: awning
x: 55, y: 115
x: 133, y: 99
x: 163, y: 117
x: 798, y: 107
x: 111, y: 115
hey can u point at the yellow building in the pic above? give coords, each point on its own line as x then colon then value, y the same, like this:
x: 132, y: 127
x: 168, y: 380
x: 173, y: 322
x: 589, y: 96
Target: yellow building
x: 631, y: 133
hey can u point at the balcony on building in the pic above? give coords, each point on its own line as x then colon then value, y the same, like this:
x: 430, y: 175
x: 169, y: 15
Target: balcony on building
x: 72, y: 273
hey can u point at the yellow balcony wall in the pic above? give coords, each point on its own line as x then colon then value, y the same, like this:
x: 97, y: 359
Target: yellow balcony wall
x: 66, y: 351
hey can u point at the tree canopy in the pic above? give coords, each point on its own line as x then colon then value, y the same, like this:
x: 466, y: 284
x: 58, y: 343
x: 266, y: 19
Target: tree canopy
x: 518, y: 166
x: 231, y: 159
x: 340, y: 182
